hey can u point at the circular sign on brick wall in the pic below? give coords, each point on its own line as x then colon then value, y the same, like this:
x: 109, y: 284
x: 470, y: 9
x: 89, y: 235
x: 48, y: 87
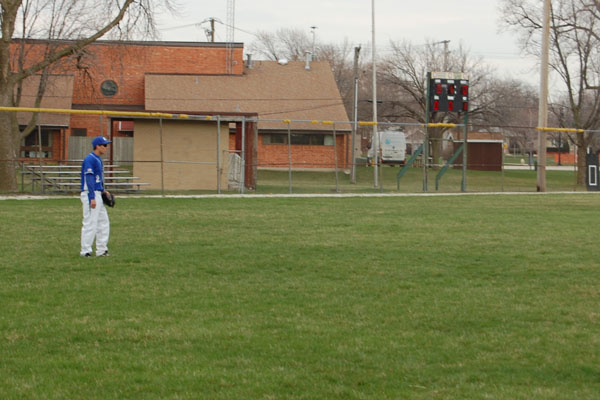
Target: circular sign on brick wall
x: 109, y: 88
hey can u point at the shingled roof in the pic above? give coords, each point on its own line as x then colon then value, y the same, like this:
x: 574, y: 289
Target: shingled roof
x: 274, y: 91
x: 482, y: 136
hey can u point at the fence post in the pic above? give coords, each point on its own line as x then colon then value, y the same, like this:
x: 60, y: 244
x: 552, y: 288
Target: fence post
x: 22, y: 165
x: 465, y: 153
x: 39, y: 129
x: 162, y: 163
x: 243, y: 178
x: 502, y: 166
x: 426, y: 133
x: 335, y: 157
x: 219, y: 172
x: 289, y: 155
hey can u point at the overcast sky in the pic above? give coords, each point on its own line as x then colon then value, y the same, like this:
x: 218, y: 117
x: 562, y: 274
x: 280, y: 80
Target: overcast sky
x: 474, y: 23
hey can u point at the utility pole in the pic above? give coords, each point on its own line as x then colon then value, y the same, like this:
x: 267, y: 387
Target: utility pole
x: 354, y: 118
x: 446, y: 54
x: 543, y: 107
x: 212, y: 30
x: 375, y: 134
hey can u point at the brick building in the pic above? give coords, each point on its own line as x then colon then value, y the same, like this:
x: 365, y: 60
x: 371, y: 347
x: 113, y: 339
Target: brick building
x: 110, y: 75
x: 193, y: 78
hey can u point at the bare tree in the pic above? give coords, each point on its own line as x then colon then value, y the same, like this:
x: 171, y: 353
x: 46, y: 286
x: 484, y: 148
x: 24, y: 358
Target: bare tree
x: 575, y: 51
x: 340, y: 58
x: 505, y: 103
x: 403, y: 75
x: 292, y: 44
x: 286, y: 43
x: 512, y: 106
x: 67, y: 27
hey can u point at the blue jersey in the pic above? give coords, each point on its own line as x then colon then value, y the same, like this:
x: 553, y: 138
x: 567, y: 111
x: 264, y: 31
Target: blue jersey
x: 92, y: 175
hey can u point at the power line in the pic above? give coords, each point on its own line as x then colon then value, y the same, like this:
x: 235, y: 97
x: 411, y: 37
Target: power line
x: 237, y: 29
x: 195, y: 24
x: 199, y: 26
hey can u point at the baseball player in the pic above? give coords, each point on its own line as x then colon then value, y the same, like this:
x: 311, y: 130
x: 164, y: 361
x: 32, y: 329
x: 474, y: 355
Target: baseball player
x: 95, y: 218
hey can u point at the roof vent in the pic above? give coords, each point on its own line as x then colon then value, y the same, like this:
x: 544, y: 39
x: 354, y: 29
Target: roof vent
x: 283, y: 61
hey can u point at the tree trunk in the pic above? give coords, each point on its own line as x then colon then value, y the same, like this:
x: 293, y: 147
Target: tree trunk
x: 8, y: 154
x: 9, y: 142
x: 436, y: 135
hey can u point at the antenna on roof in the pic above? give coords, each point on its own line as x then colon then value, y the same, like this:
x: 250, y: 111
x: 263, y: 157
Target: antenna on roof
x: 230, y: 32
x: 312, y: 54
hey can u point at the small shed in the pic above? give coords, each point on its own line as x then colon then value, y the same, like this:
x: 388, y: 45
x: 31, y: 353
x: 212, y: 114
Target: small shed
x: 484, y: 150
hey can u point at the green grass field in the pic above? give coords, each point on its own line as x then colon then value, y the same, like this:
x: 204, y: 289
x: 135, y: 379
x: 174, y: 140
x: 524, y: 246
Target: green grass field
x: 456, y: 297
x: 412, y: 181
x: 303, y: 182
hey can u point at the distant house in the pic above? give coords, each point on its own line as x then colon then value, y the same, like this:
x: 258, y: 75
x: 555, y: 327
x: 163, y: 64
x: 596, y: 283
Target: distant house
x: 276, y: 92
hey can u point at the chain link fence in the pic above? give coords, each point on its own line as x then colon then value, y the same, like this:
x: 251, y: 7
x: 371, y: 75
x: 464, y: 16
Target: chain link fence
x: 209, y: 155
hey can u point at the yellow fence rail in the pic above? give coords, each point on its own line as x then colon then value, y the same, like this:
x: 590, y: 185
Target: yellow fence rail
x: 570, y: 130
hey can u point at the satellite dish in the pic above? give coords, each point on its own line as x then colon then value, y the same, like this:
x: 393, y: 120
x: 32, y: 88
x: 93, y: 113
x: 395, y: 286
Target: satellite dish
x: 283, y: 61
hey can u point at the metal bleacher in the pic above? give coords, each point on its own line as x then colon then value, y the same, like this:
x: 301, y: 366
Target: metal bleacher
x: 66, y: 178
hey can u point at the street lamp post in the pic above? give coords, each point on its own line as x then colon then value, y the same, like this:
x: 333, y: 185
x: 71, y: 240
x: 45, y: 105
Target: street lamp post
x: 375, y: 134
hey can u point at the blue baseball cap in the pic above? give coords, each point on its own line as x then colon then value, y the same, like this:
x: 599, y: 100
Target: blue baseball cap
x: 99, y: 141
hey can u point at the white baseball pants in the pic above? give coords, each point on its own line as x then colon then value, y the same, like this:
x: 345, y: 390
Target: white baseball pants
x: 95, y: 225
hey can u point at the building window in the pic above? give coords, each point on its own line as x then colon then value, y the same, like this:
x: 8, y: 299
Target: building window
x: 33, y: 139
x: 30, y: 145
x: 78, y: 132
x: 299, y: 139
x: 274, y: 139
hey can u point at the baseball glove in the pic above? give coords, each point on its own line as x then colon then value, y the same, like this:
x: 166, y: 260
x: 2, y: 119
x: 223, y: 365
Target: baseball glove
x: 108, y: 199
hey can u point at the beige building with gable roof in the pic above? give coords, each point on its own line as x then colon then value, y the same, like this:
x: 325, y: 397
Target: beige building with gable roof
x: 276, y: 92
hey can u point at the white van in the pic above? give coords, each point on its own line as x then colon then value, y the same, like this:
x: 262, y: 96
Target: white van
x: 393, y: 147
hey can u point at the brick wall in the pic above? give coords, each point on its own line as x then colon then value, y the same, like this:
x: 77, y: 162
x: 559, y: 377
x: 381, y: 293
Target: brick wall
x: 303, y: 156
x: 127, y: 65
x: 276, y: 155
